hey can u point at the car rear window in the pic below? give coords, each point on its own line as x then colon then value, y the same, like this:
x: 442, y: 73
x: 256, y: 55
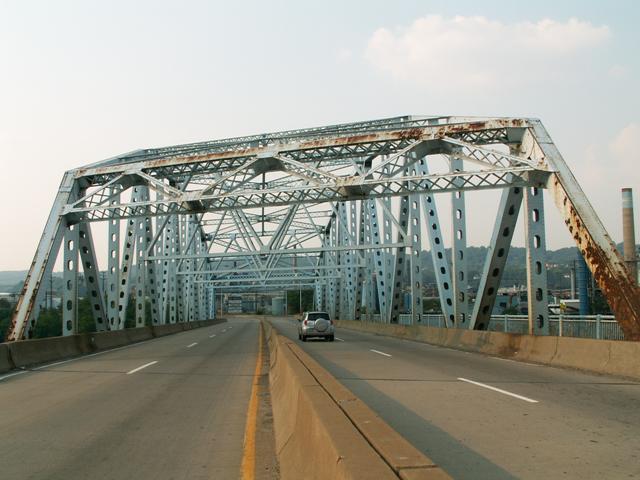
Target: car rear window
x: 318, y: 315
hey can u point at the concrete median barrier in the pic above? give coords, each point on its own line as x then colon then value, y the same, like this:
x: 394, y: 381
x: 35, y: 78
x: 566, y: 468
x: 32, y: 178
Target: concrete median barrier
x: 323, y: 431
x: 609, y: 357
x: 5, y: 358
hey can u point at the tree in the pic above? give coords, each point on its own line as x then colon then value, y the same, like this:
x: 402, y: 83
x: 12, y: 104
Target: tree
x: 293, y: 301
x: 5, y: 316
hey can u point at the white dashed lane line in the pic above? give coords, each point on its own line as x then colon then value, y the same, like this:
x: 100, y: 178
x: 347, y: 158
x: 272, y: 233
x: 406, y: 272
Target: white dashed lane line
x: 499, y: 390
x: 211, y: 336
x: 141, y: 367
x: 380, y: 353
x: 192, y: 345
x: 339, y: 339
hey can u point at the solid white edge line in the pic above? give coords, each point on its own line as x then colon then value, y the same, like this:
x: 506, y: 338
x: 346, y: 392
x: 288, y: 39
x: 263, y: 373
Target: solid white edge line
x: 141, y: 367
x: 380, y: 353
x: 339, y: 339
x: 499, y: 390
x: 13, y: 374
x: 192, y: 345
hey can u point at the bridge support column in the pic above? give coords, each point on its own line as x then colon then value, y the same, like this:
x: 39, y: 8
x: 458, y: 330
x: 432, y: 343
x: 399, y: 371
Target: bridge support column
x: 143, y: 231
x: 113, y: 263
x: 401, y: 263
x: 378, y: 260
x: 133, y: 228
x: 459, y: 251
x: 438, y: 252
x: 416, y: 267
x: 92, y: 276
x: 537, y: 288
x: 70, y: 280
x: 496, y: 257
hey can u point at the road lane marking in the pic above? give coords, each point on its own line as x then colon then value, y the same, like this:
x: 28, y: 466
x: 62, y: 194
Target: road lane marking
x: 499, y: 390
x: 249, y: 452
x: 89, y: 355
x: 211, y: 336
x: 141, y: 367
x: 339, y: 339
x: 192, y: 345
x: 13, y: 374
x: 380, y: 353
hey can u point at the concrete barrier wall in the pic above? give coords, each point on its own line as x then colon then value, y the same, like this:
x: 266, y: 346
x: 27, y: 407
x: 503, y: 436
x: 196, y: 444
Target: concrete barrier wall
x: 316, y: 438
x: 31, y: 352
x: 42, y: 350
x: 5, y: 359
x: 610, y: 357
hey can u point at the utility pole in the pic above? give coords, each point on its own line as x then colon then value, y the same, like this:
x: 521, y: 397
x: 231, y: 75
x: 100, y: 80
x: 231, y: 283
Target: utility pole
x: 51, y: 290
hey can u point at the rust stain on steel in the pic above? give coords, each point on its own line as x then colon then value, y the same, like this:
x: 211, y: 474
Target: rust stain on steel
x: 412, y: 134
x: 431, y: 131
x: 614, y: 280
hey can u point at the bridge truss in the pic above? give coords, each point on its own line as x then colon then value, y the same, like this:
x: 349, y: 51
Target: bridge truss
x: 345, y: 210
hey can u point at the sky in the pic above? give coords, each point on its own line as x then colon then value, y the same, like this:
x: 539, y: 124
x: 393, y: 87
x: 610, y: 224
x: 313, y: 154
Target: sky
x: 81, y: 81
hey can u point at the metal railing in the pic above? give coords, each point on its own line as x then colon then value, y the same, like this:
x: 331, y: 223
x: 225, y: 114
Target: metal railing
x: 602, y: 327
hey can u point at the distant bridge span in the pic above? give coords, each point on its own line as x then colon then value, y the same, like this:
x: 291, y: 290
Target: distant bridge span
x: 313, y: 208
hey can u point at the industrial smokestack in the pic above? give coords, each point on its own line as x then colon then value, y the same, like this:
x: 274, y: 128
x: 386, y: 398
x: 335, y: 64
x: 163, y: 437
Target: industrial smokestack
x: 629, y: 234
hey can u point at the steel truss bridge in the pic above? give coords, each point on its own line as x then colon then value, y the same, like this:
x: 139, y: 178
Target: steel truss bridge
x: 345, y: 210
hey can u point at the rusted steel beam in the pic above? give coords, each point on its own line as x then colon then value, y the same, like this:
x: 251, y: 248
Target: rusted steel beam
x: 593, y: 241
x: 416, y: 133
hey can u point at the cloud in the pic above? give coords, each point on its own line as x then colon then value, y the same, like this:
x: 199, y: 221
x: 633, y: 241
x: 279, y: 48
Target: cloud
x: 479, y: 52
x: 625, y: 144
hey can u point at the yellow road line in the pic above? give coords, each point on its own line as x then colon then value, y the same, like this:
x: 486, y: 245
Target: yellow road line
x: 249, y: 453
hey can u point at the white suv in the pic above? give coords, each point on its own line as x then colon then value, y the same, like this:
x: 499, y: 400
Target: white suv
x: 315, y: 324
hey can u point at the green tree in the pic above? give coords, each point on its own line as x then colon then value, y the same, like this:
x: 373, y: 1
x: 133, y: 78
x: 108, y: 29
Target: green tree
x: 5, y: 316
x: 49, y: 323
x: 293, y: 301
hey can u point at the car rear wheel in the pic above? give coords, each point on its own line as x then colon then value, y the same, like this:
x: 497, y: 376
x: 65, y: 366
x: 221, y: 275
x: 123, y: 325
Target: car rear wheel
x: 331, y: 337
x: 303, y: 338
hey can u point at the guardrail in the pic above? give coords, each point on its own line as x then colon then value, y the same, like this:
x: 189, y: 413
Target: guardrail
x: 600, y: 327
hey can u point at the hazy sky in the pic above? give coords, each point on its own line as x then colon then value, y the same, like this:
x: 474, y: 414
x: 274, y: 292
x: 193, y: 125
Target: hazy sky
x: 84, y: 80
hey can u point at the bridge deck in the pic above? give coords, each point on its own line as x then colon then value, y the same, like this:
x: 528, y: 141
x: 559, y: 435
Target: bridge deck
x: 582, y: 426
x: 182, y: 417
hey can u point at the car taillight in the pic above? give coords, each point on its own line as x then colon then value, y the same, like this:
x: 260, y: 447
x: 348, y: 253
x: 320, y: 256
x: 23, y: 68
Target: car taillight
x: 305, y: 322
x: 331, y: 322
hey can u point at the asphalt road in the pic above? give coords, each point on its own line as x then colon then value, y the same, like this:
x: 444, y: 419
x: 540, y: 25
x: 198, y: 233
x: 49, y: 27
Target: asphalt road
x: 541, y: 422
x: 119, y: 415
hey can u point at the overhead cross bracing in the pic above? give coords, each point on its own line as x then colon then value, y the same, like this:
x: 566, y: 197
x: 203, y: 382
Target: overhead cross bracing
x: 343, y: 209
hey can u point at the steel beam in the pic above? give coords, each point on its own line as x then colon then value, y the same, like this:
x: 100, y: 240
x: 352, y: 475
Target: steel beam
x: 70, y: 282
x: 23, y: 320
x: 496, y: 258
x: 459, y: 278
x: 593, y: 241
x: 537, y: 288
